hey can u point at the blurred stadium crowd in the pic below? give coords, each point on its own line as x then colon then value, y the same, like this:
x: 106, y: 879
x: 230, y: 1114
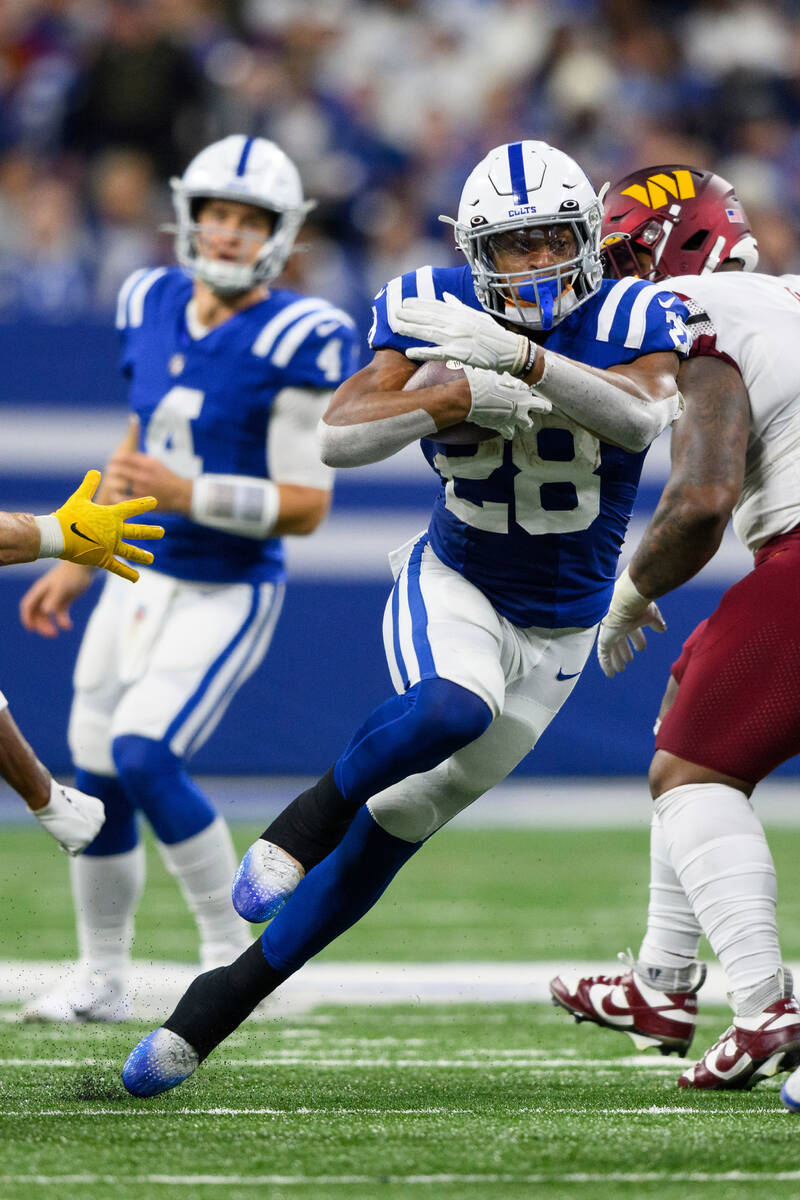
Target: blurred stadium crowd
x: 385, y: 105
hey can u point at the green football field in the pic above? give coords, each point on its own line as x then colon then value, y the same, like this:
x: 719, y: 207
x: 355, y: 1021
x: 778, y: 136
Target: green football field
x: 426, y: 1101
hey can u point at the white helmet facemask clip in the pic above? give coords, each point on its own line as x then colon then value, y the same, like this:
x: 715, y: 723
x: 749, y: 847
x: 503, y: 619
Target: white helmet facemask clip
x: 248, y: 171
x: 517, y: 189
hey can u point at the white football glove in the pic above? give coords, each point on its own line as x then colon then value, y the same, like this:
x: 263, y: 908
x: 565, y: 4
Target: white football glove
x: 621, y: 628
x: 73, y: 818
x: 502, y: 402
x: 463, y: 333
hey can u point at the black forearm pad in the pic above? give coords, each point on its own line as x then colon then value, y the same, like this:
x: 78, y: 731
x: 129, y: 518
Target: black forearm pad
x: 313, y: 824
x: 216, y: 1002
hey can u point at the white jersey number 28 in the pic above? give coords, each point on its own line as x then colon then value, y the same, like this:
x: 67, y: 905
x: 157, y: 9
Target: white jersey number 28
x: 533, y: 502
x: 169, y: 431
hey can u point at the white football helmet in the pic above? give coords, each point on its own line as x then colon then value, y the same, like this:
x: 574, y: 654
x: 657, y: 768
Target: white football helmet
x: 522, y: 186
x: 252, y: 171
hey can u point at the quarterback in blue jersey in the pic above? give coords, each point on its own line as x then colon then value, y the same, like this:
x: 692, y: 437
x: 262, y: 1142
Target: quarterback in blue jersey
x: 563, y: 381
x: 229, y: 376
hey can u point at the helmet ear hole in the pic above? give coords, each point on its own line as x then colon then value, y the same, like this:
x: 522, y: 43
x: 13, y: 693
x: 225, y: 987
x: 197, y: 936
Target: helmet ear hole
x: 696, y: 240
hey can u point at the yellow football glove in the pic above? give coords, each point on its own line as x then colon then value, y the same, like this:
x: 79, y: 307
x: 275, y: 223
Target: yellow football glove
x: 93, y: 533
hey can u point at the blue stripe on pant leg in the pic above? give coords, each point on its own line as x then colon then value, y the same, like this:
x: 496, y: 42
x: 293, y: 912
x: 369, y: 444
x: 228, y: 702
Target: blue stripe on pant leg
x: 419, y: 613
x: 214, y: 716
x: 215, y: 667
x: 398, y: 653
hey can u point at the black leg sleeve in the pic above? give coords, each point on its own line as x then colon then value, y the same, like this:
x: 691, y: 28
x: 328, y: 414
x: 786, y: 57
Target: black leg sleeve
x: 216, y: 1002
x: 314, y: 823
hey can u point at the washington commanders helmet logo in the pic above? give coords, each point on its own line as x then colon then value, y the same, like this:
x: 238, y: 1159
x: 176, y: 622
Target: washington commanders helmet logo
x: 660, y: 188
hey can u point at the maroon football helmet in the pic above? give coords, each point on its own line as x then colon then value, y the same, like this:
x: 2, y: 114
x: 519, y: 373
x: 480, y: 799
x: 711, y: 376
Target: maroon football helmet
x: 689, y: 221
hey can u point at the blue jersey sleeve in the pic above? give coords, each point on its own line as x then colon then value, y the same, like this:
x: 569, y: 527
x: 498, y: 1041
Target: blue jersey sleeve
x: 318, y: 351
x: 641, y: 317
x: 430, y: 283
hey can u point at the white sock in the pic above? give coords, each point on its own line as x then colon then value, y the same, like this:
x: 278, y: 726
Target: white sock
x: 204, y: 866
x: 721, y: 857
x: 106, y: 891
x: 673, y: 932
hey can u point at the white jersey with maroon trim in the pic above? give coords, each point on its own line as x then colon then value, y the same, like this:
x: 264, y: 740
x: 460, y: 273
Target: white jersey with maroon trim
x: 753, y: 321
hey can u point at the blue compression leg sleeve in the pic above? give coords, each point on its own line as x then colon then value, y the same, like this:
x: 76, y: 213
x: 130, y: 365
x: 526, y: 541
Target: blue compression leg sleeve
x: 119, y: 832
x: 409, y: 734
x: 157, y: 781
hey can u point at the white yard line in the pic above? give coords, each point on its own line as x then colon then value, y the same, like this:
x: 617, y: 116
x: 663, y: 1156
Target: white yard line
x: 577, y: 1177
x: 524, y: 1110
x: 655, y: 1064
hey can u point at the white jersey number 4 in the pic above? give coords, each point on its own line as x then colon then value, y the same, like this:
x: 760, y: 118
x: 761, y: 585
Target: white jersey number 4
x: 169, y: 431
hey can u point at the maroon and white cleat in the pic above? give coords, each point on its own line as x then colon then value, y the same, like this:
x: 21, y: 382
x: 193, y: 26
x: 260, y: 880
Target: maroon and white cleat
x: 752, y: 1049
x: 626, y: 1003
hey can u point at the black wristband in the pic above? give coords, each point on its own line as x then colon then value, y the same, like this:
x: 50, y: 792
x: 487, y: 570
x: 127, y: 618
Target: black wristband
x: 533, y: 354
x: 532, y: 351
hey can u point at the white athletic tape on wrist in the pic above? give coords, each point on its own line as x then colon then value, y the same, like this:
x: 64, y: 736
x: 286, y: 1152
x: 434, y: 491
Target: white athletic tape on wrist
x: 627, y: 602
x: 527, y: 353
x: 236, y: 504
x: 3, y: 702
x: 52, y: 537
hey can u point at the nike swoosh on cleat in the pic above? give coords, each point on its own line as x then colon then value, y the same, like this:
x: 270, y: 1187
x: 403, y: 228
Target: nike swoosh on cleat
x: 602, y: 1003
x: 85, y: 536
x: 727, y: 1065
x: 561, y: 676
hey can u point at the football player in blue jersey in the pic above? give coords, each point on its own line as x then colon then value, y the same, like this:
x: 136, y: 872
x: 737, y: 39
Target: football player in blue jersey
x: 566, y: 380
x: 229, y: 376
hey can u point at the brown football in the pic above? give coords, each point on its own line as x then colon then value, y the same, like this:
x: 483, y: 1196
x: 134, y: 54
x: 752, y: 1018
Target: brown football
x: 429, y: 374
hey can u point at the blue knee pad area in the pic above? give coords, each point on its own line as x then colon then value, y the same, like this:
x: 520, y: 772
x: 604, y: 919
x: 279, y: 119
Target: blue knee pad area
x: 156, y: 781
x: 335, y: 893
x: 410, y: 734
x: 119, y: 833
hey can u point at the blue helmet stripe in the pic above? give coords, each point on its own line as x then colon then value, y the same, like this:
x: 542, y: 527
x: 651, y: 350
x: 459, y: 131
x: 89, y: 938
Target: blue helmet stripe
x: 517, y: 169
x: 246, y: 148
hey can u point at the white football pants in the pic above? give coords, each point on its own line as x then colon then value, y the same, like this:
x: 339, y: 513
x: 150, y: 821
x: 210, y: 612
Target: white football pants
x: 438, y: 624
x: 163, y: 659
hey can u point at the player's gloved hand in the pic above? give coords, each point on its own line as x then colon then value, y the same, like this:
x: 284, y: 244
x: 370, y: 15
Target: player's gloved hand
x: 464, y: 333
x: 73, y: 818
x: 93, y: 533
x: 621, y: 627
x: 502, y: 402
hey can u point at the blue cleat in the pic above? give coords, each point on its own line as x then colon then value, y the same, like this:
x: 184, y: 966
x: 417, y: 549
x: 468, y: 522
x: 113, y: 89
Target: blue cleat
x: 266, y: 878
x: 161, y: 1061
x: 790, y: 1092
